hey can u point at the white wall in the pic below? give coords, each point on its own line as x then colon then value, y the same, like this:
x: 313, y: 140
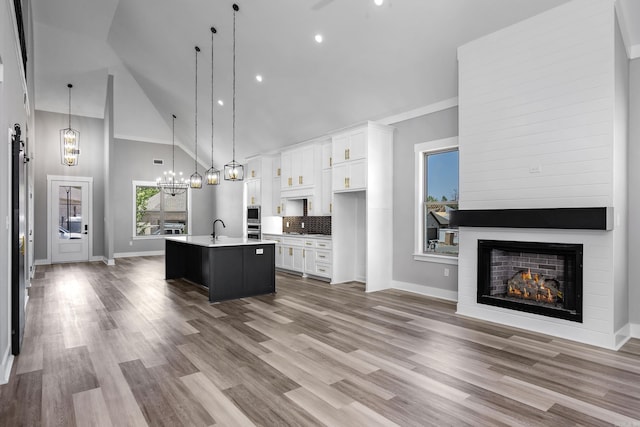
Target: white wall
x: 634, y: 195
x: 537, y: 104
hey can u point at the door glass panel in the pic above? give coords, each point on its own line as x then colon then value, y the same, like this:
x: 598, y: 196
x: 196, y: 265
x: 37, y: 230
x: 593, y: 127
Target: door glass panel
x: 70, y: 212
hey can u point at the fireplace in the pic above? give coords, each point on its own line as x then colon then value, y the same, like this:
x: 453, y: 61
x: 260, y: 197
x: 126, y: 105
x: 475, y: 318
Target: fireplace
x: 540, y: 278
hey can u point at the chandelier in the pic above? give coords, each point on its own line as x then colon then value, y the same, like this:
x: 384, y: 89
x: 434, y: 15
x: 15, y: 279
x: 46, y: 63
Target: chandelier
x: 169, y: 182
x: 69, y: 141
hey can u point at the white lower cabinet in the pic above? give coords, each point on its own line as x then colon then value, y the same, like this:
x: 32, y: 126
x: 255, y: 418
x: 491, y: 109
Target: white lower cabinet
x: 303, y: 254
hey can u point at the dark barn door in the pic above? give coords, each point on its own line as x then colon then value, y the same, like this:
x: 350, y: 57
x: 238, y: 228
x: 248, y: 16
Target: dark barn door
x: 18, y: 289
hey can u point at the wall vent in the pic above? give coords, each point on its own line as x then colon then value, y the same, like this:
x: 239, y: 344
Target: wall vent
x: 158, y: 162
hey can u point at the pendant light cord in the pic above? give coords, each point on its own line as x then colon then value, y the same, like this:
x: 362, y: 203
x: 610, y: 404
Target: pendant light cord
x: 69, y: 86
x: 196, y: 138
x: 213, y: 30
x: 173, y: 145
x: 235, y: 9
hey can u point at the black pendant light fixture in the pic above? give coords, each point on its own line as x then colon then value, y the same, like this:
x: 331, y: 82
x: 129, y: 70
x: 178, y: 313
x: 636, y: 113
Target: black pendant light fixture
x: 69, y: 141
x: 234, y: 171
x: 213, y: 174
x: 195, y: 180
x: 171, y: 183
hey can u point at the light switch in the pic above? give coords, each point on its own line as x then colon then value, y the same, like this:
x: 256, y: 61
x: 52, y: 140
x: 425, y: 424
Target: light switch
x: 259, y: 251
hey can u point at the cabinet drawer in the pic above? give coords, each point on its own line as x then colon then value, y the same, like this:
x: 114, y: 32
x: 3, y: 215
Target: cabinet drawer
x: 323, y: 256
x: 323, y: 244
x: 309, y: 243
x: 292, y: 241
x: 323, y: 270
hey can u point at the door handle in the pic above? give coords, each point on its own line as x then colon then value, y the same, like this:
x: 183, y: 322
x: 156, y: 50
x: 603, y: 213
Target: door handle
x: 86, y: 229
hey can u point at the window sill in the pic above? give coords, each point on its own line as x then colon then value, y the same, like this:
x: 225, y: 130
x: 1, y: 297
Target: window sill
x: 438, y: 259
x: 157, y: 236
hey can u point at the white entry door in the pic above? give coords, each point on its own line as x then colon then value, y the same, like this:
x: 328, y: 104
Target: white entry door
x: 69, y: 220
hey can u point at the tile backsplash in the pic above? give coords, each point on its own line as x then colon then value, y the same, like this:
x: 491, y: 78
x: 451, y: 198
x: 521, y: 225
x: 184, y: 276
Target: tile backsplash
x: 312, y: 224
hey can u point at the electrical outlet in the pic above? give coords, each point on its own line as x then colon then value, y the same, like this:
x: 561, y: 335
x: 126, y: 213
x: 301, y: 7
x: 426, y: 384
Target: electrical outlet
x: 303, y: 225
x: 446, y: 272
x: 287, y: 224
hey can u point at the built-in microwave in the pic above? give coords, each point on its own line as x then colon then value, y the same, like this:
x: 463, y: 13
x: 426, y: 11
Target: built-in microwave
x: 253, y: 214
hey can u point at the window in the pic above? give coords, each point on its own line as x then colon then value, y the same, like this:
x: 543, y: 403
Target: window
x: 157, y: 213
x: 436, y: 196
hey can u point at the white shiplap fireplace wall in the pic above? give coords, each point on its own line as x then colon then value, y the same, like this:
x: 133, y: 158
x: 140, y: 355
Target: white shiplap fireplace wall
x: 543, y: 116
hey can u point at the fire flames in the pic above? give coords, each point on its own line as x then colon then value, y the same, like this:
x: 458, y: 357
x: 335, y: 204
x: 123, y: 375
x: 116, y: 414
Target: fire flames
x: 534, y: 287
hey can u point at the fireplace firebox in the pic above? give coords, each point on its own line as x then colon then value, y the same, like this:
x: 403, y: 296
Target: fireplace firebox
x: 540, y: 278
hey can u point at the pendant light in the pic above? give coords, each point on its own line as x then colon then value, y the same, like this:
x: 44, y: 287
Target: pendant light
x: 169, y: 182
x: 213, y: 174
x: 234, y: 171
x: 195, y: 180
x: 69, y: 141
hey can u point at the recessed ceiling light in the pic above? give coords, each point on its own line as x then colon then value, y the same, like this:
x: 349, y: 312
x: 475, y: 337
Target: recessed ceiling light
x: 220, y: 102
x: 259, y: 77
x: 378, y: 2
x: 318, y: 38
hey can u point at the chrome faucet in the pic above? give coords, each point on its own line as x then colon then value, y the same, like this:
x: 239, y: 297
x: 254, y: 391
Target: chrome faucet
x: 214, y: 227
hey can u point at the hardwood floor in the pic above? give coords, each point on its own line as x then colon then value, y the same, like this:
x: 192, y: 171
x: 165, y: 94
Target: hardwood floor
x: 121, y: 346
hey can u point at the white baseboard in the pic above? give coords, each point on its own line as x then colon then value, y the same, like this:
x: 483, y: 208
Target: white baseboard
x: 109, y: 261
x: 96, y: 258
x: 621, y: 336
x: 42, y: 262
x: 5, y: 366
x: 425, y: 290
x: 634, y: 330
x: 135, y: 254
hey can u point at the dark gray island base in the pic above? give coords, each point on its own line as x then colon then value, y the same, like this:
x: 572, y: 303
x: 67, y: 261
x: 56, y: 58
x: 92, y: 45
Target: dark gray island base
x: 230, y: 268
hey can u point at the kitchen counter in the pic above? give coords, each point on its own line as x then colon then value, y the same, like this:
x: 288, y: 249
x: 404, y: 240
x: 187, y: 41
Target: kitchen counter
x: 313, y: 235
x: 229, y: 267
x: 208, y: 241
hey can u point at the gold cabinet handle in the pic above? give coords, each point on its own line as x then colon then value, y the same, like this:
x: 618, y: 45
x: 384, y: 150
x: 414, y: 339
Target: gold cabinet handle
x: 290, y: 251
x: 253, y: 201
x: 346, y: 154
x: 308, y: 243
x: 300, y: 180
x: 322, y: 270
x: 321, y: 256
x: 330, y: 207
x: 22, y: 245
x: 278, y: 172
x: 309, y: 205
x: 303, y: 253
x: 280, y: 250
x: 290, y: 181
x: 253, y: 173
x: 322, y: 245
x: 347, y: 182
x: 330, y: 161
x: 278, y: 209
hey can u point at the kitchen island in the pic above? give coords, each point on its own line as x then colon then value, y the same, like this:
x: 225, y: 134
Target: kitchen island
x: 229, y: 267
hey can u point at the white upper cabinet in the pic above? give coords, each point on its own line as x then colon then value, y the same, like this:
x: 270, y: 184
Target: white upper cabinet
x: 327, y: 155
x: 350, y: 146
x: 275, y: 167
x: 299, y: 167
x: 254, y: 168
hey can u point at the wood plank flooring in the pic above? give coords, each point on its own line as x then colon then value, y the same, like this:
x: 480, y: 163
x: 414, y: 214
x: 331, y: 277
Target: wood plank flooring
x: 120, y: 346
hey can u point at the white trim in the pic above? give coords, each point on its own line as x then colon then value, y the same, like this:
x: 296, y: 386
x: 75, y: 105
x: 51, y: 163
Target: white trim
x: 634, y: 51
x: 18, y: 49
x: 419, y: 149
x: 5, y: 366
x: 96, y: 258
x: 621, y: 336
x: 634, y: 330
x: 5, y: 362
x: 83, y: 179
x: 109, y: 262
x: 425, y: 290
x: 137, y: 254
x: 41, y: 262
x: 422, y: 111
x: 435, y: 258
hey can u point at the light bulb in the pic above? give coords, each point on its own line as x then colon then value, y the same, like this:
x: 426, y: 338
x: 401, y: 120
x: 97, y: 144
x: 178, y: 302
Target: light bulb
x: 318, y: 38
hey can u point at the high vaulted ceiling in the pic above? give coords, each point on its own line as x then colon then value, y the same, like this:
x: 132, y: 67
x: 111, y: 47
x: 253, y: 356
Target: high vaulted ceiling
x: 375, y: 61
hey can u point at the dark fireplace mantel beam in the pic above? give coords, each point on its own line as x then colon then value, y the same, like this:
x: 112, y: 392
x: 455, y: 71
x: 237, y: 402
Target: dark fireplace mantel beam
x: 597, y: 218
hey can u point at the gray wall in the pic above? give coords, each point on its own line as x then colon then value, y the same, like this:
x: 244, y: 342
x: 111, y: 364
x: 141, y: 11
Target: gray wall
x: 634, y: 193
x: 442, y: 124
x: 133, y: 161
x: 47, y: 162
x: 229, y: 207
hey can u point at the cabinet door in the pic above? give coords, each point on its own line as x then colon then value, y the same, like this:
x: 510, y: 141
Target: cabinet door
x: 357, y: 179
x: 275, y: 169
x: 287, y: 257
x: 275, y: 197
x: 253, y: 192
x: 312, y: 207
x: 279, y: 256
x: 309, y: 260
x: 327, y: 156
x: 298, y: 259
x: 253, y: 168
x: 357, y: 145
x: 307, y: 166
x: 340, y: 148
x: 326, y: 192
x: 339, y: 176
x: 286, y: 177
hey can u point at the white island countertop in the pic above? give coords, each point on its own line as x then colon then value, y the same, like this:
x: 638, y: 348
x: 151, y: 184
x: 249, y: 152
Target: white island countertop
x: 219, y: 242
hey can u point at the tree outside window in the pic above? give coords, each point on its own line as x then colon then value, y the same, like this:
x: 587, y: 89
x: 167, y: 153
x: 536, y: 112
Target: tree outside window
x: 157, y: 213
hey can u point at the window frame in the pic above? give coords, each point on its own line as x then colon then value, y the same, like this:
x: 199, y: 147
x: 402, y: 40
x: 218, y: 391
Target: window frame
x: 156, y: 236
x: 420, y: 151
